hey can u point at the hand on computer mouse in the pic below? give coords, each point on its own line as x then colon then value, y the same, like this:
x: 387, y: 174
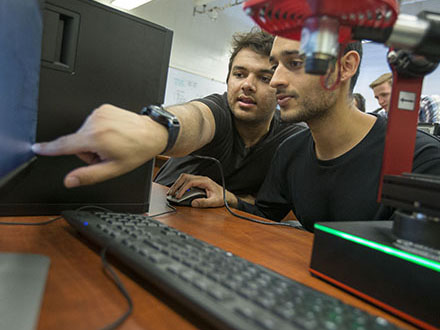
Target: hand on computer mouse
x: 188, y: 197
x: 214, y: 192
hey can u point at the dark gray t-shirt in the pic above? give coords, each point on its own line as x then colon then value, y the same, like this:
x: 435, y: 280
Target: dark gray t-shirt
x: 340, y: 189
x: 244, y: 168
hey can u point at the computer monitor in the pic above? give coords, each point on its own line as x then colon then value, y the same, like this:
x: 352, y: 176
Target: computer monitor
x: 20, y: 39
x: 91, y: 54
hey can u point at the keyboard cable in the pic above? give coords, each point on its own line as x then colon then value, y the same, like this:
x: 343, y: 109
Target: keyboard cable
x: 109, y: 272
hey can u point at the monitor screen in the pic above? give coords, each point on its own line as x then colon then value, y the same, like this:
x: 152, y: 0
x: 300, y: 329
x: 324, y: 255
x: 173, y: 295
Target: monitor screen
x: 20, y: 48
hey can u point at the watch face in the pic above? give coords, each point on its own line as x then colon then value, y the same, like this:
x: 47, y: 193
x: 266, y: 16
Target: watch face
x: 161, y: 116
x: 165, y: 118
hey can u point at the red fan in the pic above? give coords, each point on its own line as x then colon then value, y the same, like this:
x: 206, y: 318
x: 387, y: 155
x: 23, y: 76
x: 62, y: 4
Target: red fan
x: 286, y: 18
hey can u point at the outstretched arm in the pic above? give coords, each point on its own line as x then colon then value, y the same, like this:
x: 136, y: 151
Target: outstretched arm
x: 114, y: 141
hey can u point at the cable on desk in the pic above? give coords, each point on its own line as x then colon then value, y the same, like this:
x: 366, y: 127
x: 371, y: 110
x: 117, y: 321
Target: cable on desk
x: 219, y: 165
x: 114, y: 277
x: 31, y: 223
x: 107, y: 269
x: 86, y: 207
x: 173, y: 210
x: 50, y: 220
x: 7, y: 223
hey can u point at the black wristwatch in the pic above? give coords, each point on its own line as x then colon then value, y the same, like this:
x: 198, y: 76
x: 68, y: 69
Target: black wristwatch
x: 165, y: 118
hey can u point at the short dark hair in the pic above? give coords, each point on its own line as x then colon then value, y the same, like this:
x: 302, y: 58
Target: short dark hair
x: 256, y: 40
x: 357, y: 47
x: 360, y: 100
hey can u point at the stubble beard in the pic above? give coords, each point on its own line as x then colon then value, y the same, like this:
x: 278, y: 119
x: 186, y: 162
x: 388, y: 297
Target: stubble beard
x: 311, y: 107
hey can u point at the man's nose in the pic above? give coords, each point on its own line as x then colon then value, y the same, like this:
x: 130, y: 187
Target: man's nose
x: 278, y: 79
x: 249, y: 84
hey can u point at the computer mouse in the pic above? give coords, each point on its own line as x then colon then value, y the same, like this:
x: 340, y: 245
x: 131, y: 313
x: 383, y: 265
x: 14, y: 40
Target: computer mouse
x: 188, y: 196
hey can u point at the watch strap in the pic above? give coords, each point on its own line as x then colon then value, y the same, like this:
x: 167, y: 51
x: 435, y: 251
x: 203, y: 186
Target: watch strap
x: 166, y: 119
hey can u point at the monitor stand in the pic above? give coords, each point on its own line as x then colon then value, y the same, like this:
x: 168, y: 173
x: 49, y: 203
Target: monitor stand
x: 22, y: 282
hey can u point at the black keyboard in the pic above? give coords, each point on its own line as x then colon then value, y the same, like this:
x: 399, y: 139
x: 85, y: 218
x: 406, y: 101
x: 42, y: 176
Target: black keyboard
x: 227, y: 291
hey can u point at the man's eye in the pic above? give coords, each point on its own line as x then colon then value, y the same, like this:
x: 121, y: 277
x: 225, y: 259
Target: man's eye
x: 296, y: 64
x: 238, y: 74
x: 273, y: 67
x: 266, y: 79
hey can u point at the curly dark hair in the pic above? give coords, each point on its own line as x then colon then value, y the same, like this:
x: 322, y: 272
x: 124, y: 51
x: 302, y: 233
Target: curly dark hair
x: 255, y: 40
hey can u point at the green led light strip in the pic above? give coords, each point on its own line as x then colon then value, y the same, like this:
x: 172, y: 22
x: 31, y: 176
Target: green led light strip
x: 383, y: 248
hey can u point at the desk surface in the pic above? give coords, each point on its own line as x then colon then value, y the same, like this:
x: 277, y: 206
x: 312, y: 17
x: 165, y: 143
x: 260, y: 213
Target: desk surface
x: 79, y: 295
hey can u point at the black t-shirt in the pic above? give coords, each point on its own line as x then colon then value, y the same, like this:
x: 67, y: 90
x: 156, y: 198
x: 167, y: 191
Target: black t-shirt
x: 244, y: 168
x: 340, y: 189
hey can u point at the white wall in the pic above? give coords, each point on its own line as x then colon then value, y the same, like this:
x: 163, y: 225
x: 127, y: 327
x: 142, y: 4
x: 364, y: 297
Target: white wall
x: 200, y: 45
x: 183, y: 86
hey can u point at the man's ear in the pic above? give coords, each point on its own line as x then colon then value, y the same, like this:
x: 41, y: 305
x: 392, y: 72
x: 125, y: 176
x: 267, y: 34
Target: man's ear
x: 349, y: 65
